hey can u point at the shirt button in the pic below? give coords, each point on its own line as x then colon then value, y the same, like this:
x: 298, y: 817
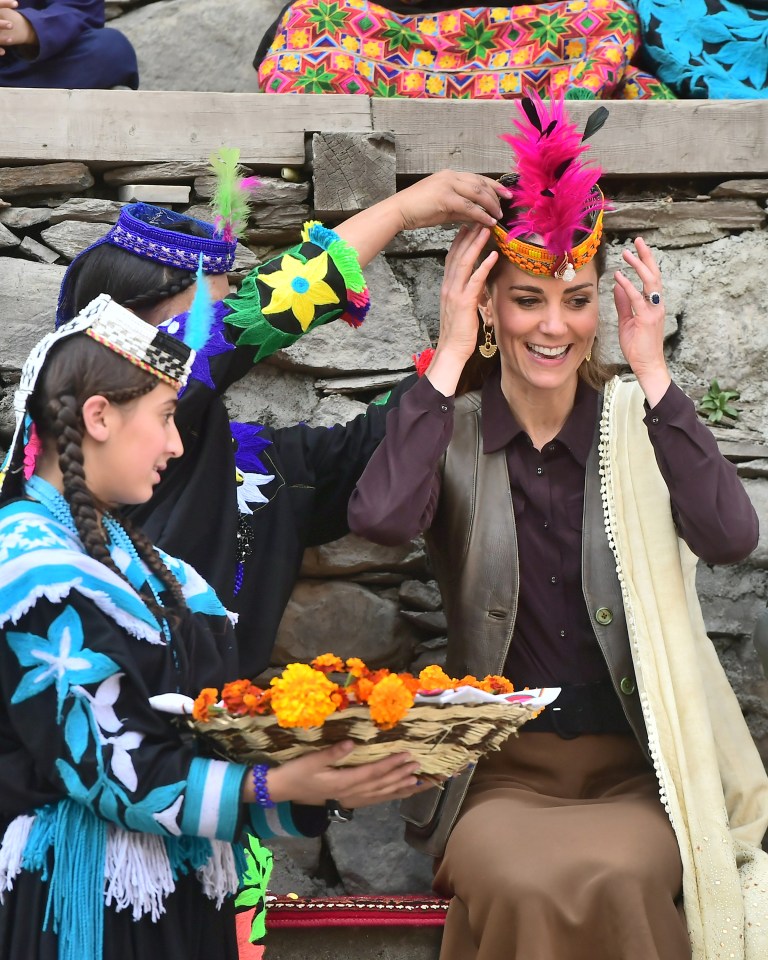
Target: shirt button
x: 562, y: 633
x: 627, y: 686
x: 444, y: 407
x: 603, y: 616
x: 546, y: 524
x: 551, y: 448
x: 553, y: 579
x: 654, y: 419
x: 539, y: 470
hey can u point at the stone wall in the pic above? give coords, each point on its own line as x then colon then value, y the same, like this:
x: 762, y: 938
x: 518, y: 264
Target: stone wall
x: 379, y: 603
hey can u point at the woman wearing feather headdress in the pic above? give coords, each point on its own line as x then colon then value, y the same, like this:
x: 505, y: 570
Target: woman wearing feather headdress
x: 564, y: 511
x: 244, y: 501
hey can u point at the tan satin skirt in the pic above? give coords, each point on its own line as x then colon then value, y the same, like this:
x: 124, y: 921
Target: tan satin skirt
x: 563, y: 851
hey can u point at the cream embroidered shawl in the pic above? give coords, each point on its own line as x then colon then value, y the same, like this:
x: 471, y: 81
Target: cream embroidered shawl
x: 712, y: 781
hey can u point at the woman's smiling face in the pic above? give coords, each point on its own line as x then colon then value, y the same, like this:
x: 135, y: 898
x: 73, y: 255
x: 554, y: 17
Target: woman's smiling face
x: 544, y: 327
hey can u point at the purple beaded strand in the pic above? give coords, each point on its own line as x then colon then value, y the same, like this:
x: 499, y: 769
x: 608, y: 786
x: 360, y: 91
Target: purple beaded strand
x: 260, y: 785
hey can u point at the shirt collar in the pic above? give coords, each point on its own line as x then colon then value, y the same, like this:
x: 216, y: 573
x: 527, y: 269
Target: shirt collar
x: 500, y: 428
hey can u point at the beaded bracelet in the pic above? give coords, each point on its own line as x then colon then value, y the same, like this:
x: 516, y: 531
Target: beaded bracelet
x: 260, y: 785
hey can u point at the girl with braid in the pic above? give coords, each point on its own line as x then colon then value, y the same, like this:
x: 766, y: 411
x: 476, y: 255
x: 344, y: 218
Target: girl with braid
x: 244, y: 501
x: 118, y: 835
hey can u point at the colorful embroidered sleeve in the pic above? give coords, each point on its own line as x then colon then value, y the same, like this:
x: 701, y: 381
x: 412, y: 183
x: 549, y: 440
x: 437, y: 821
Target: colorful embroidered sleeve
x: 77, y: 699
x: 316, y: 282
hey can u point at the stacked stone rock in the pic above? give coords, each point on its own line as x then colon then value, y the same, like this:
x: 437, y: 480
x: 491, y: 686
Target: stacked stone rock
x: 381, y: 603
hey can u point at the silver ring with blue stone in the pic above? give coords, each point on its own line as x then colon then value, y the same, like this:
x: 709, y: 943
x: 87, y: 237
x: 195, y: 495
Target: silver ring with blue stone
x: 654, y: 297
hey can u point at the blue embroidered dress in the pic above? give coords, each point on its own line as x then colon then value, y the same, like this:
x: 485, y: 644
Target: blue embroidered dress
x: 119, y: 837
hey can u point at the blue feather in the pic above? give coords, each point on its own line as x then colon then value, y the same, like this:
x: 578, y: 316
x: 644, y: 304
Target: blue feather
x: 200, y: 316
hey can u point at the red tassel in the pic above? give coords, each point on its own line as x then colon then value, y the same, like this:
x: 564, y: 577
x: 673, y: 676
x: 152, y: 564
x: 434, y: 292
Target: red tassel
x: 422, y: 360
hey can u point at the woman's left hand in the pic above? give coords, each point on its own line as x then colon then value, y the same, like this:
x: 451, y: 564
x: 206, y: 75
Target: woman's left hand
x: 641, y: 321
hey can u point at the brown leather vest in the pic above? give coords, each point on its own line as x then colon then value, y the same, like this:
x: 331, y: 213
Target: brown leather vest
x: 473, y: 547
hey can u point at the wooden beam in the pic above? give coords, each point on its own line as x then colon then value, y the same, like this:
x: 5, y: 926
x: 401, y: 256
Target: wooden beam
x: 110, y: 127
x: 144, y: 126
x: 641, y: 138
x: 352, y: 171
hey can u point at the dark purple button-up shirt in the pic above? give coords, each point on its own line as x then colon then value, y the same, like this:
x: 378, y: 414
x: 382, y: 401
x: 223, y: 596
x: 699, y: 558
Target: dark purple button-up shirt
x: 553, y: 641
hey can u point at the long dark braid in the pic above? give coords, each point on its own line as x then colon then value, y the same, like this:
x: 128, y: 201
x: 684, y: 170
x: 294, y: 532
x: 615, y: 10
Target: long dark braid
x: 150, y: 297
x: 77, y: 369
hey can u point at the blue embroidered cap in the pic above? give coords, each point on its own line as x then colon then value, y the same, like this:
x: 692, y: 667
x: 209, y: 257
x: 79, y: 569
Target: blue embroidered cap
x: 146, y: 231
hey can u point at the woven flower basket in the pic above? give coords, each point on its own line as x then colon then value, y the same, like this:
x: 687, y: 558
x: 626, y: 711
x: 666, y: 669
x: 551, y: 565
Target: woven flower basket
x: 443, y: 738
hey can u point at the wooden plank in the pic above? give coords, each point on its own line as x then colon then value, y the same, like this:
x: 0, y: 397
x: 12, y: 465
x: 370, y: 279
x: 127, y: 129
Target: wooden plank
x: 352, y: 171
x: 641, y: 138
x: 147, y: 126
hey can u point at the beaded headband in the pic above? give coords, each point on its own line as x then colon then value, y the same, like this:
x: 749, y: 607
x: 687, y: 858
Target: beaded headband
x: 145, y: 231
x: 557, y: 205
x: 117, y: 329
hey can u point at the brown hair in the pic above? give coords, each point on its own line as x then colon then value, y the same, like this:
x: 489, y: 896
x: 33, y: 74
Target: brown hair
x: 78, y: 368
x: 477, y: 369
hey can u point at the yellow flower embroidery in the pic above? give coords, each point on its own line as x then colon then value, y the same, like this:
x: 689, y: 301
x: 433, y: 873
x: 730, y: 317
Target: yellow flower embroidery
x: 429, y: 26
x: 350, y: 43
x: 299, y: 287
x: 574, y: 48
x: 299, y: 38
x: 413, y: 81
x: 289, y: 62
x: 487, y: 84
x: 510, y: 83
x: 424, y: 58
x: 434, y: 85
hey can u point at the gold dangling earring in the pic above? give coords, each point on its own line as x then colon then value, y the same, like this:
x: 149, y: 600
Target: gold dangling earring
x: 489, y: 348
x: 589, y: 355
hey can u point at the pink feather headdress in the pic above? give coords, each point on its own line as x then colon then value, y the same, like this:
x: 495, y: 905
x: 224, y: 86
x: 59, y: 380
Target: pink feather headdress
x: 555, y: 195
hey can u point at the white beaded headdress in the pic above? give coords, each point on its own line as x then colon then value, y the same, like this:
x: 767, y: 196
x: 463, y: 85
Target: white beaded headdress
x: 119, y: 330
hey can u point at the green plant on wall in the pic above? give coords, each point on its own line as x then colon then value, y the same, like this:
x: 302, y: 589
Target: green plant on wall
x: 716, y: 404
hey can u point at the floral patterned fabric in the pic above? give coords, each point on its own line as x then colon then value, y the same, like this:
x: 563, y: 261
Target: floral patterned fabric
x: 354, y: 46
x: 707, y: 48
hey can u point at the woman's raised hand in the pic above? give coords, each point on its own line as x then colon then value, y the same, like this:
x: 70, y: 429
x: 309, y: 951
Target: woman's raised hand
x: 641, y: 321
x: 463, y: 289
x: 445, y: 197
x: 451, y: 197
x: 313, y: 779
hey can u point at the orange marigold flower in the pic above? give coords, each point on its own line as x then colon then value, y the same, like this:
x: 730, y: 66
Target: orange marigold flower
x: 435, y: 678
x: 356, y: 667
x: 411, y: 682
x: 389, y: 701
x: 361, y: 689
x: 301, y: 696
x: 233, y: 694
x: 328, y: 663
x: 496, y: 684
x: 376, y: 675
x: 468, y: 681
x: 205, y: 699
x: 340, y: 698
x: 257, y: 702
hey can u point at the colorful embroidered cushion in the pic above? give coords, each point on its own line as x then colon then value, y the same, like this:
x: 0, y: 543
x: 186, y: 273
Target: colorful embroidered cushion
x: 707, y: 48
x: 355, y: 46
